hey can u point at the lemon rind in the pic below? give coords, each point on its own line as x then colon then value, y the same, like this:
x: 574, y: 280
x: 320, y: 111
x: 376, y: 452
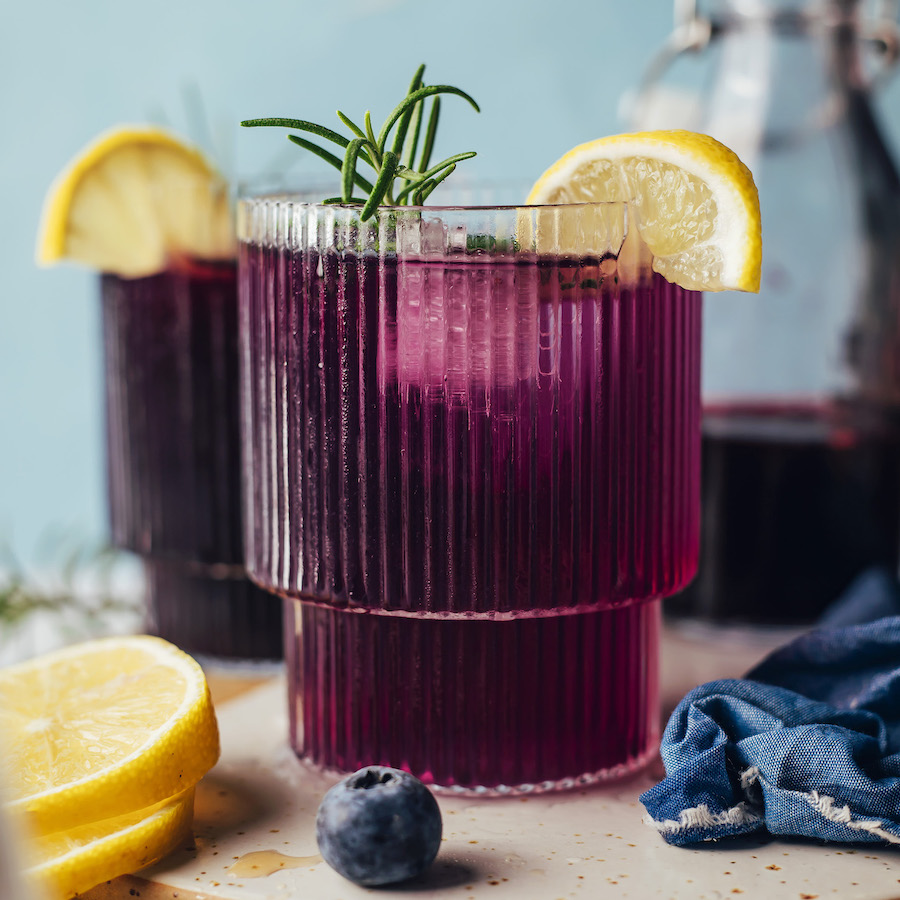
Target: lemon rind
x: 126, y: 849
x: 737, y: 222
x: 109, y: 793
x: 53, y: 232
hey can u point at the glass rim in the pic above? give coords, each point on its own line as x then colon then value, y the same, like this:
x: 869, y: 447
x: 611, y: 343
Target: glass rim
x: 299, y: 198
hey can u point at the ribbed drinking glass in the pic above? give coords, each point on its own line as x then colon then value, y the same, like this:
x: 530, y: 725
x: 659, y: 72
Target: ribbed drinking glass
x: 471, y: 461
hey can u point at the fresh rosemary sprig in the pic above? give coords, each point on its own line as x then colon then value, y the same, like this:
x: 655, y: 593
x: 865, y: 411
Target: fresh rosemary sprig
x: 396, y: 182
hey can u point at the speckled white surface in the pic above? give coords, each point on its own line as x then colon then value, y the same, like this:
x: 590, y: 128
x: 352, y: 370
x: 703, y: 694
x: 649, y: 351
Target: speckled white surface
x: 580, y: 845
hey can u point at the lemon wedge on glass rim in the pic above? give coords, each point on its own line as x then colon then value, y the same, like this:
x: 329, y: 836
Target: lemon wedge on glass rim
x: 696, y: 203
x: 103, y: 729
x: 134, y: 201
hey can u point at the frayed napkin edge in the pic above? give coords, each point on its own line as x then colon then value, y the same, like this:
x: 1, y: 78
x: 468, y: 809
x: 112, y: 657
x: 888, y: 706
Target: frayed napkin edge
x: 744, y: 814
x: 701, y: 817
x: 843, y: 815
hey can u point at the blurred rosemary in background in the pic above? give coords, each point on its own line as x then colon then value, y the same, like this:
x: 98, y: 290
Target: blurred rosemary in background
x: 75, y: 590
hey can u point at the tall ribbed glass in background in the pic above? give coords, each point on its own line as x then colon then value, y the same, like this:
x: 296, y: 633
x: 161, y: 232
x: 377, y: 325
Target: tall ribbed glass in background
x: 471, y: 457
x: 173, y: 458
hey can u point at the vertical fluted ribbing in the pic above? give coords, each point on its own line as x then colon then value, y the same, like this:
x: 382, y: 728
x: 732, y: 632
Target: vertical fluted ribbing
x: 476, y: 704
x: 450, y: 435
x: 222, y: 615
x: 173, y: 455
x: 171, y: 363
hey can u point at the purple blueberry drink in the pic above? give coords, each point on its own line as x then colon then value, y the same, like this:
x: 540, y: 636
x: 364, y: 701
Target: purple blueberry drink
x: 173, y: 455
x: 471, y: 456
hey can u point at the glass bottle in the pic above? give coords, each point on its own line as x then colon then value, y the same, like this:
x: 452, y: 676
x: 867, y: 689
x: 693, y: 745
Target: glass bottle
x: 801, y: 385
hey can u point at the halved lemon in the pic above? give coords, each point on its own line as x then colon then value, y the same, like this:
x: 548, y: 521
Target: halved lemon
x: 69, y: 862
x: 696, y: 203
x: 103, y: 728
x: 132, y: 202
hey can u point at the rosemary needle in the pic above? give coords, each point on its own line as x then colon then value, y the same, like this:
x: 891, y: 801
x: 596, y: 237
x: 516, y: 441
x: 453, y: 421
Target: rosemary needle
x: 388, y: 163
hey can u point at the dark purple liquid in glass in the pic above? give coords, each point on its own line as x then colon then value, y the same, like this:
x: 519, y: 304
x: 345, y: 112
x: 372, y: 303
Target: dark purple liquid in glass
x: 474, y: 447
x: 173, y: 446
x: 549, y: 702
x: 537, y: 456
x: 797, y: 501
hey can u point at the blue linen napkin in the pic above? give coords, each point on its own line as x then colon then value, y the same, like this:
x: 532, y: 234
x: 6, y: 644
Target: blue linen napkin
x: 806, y: 744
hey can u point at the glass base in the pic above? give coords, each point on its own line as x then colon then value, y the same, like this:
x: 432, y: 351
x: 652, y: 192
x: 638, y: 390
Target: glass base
x: 576, y: 783
x: 473, y: 707
x: 213, y: 613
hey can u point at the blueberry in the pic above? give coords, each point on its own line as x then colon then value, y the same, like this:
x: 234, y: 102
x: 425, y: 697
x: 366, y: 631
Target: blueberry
x: 379, y: 826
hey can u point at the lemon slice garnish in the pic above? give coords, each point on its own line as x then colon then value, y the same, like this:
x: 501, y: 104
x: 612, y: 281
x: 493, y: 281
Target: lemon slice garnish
x: 133, y: 201
x: 102, y: 729
x: 68, y: 862
x: 696, y: 203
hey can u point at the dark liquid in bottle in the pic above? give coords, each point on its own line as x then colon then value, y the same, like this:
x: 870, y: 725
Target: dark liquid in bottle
x: 796, y: 502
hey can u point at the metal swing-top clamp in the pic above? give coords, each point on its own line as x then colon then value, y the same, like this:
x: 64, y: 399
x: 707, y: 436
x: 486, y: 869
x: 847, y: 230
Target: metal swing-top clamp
x: 693, y: 32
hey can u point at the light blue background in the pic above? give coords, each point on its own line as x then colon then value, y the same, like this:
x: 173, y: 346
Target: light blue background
x: 547, y: 74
